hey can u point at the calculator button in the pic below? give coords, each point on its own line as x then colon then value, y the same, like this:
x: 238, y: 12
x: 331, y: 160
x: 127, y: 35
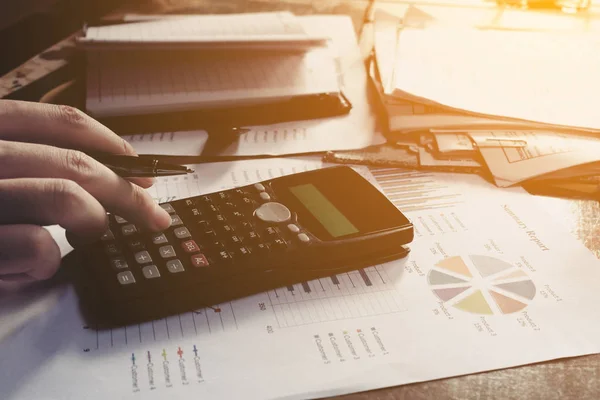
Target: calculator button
x: 213, y: 209
x: 166, y: 251
x: 205, y: 199
x: 189, y: 202
x: 150, y: 272
x: 235, y: 240
x: 271, y: 232
x: 125, y: 278
x: 108, y: 235
x: 251, y: 236
x: 293, y: 228
x: 175, y: 220
x: 168, y: 208
x: 120, y: 220
x: 190, y: 246
x: 229, y: 205
x: 220, y: 218
x: 273, y: 212
x: 227, y: 229
x: 208, y: 234
x: 199, y: 260
x: 239, y: 192
x: 136, y: 245
x: 196, y: 212
x: 175, y: 266
x: 245, y: 225
x: 118, y: 263
x: 223, y: 196
x: 203, y: 224
x: 224, y: 257
x: 261, y: 248
x: 128, y: 230
x: 112, y: 249
x: 215, y: 245
x: 237, y: 215
x: 182, y: 232
x: 260, y: 187
x: 159, y: 239
x: 265, y: 196
x: 246, y: 201
x: 143, y: 257
x: 279, y: 244
x: 242, y: 252
x: 303, y: 237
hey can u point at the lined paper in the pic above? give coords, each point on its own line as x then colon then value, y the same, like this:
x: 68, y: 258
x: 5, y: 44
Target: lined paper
x: 199, y: 27
x: 122, y: 84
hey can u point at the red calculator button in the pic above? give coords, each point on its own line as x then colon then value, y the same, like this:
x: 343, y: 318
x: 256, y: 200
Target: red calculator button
x: 190, y: 246
x: 198, y: 260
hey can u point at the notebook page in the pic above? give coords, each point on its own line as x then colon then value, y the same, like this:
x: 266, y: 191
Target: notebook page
x: 144, y: 83
x: 200, y: 28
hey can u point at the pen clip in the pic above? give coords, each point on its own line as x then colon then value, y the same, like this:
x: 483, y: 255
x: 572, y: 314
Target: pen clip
x: 220, y: 139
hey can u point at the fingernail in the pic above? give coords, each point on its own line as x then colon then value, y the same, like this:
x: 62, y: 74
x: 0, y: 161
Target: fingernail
x: 162, y: 218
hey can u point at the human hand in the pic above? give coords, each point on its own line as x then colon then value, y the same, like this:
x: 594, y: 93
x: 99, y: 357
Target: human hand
x: 47, y: 179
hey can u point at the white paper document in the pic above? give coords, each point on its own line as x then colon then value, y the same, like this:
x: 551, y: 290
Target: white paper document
x: 538, y: 77
x: 545, y: 154
x: 491, y: 282
x: 251, y: 30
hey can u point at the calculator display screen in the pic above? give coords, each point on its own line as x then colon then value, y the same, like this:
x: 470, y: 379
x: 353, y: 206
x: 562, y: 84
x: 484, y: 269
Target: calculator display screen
x: 328, y: 215
x: 337, y: 204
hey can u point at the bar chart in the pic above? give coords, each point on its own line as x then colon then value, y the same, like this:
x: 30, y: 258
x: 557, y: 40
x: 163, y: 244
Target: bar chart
x: 200, y: 322
x: 415, y: 190
x: 366, y: 292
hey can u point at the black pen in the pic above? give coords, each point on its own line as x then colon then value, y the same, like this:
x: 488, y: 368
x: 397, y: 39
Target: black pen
x: 131, y: 166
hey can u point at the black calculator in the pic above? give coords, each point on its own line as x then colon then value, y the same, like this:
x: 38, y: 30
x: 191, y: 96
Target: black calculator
x: 234, y: 243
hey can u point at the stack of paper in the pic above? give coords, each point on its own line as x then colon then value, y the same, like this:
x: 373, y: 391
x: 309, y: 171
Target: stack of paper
x: 198, y: 62
x: 519, y: 105
x: 451, y: 77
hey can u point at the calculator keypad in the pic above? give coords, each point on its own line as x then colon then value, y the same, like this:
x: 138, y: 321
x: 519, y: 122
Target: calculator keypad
x: 208, y: 232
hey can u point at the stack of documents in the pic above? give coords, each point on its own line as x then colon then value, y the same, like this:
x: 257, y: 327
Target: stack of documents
x: 186, y: 63
x: 442, y: 77
x: 516, y: 104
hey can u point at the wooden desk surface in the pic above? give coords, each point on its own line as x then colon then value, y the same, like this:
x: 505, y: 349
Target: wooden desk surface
x: 577, y: 378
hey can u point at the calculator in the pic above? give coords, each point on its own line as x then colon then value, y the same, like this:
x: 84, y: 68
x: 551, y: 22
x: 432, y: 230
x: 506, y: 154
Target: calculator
x: 238, y: 242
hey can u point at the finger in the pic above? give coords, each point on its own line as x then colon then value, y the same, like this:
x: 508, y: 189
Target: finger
x: 25, y: 160
x: 58, y: 125
x: 52, y: 202
x: 27, y: 252
x: 61, y: 126
x: 142, y: 182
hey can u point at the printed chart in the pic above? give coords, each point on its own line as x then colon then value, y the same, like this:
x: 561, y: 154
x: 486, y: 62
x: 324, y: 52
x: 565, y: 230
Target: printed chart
x: 481, y: 284
x: 366, y: 292
x: 414, y: 190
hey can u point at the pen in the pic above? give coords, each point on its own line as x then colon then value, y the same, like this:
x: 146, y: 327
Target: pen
x: 131, y: 166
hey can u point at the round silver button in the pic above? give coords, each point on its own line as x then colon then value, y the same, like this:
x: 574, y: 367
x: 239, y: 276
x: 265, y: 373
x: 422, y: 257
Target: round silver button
x: 260, y: 187
x: 273, y: 212
x: 293, y: 228
x: 265, y: 196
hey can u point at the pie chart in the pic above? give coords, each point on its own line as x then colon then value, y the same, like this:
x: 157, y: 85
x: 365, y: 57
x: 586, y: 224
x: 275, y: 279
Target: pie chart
x: 481, y: 284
